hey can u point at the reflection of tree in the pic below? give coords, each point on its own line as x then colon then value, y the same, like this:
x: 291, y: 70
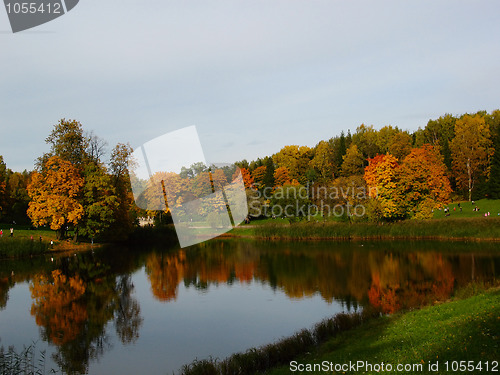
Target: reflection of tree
x: 74, y: 305
x: 387, y: 280
x: 57, y: 307
x: 128, y: 318
x: 5, y: 285
x: 164, y: 273
x: 409, y: 281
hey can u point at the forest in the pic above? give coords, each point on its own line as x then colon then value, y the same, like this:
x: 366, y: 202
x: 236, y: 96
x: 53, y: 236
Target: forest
x: 77, y: 186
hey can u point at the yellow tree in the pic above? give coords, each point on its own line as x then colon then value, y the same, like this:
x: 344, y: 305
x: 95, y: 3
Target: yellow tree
x: 322, y: 161
x: 470, y: 151
x: 296, y: 160
x: 382, y: 178
x: 54, y: 195
x: 353, y: 162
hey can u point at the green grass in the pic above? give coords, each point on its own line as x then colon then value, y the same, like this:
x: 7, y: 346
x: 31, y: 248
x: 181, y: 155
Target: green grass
x: 485, y: 205
x: 25, y: 242
x: 461, y: 330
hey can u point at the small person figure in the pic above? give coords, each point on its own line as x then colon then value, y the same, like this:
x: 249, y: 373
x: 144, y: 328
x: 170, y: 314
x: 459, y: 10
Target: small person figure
x: 12, y: 232
x: 1, y: 232
x: 51, y: 244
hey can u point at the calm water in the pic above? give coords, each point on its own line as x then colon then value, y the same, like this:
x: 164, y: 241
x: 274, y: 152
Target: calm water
x: 123, y: 311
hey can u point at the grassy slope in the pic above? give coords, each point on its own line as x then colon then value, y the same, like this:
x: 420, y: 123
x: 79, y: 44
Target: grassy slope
x: 463, y: 330
x: 484, y: 205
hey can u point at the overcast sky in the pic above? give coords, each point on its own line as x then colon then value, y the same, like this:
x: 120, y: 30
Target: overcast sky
x: 252, y: 75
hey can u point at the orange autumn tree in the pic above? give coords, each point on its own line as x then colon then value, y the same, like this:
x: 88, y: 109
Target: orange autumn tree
x: 423, y: 181
x: 412, y: 189
x: 281, y: 176
x: 54, y: 194
x: 247, y: 177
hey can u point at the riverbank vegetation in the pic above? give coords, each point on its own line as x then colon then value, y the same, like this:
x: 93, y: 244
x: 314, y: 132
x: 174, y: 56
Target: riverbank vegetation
x: 458, y: 229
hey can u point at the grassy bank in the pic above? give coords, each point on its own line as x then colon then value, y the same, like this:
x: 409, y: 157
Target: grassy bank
x: 260, y: 360
x: 446, y: 228
x: 30, y: 242
x: 21, y: 247
x: 461, y: 330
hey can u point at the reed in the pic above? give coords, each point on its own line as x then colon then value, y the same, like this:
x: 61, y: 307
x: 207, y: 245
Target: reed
x: 473, y: 228
x: 260, y: 360
x: 26, y: 362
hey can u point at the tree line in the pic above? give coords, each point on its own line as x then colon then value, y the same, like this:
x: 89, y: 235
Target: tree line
x: 452, y: 157
x: 412, y: 173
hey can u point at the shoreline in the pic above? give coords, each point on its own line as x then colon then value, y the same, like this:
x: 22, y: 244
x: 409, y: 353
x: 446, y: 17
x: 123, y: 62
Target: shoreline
x: 360, y: 238
x: 344, y: 337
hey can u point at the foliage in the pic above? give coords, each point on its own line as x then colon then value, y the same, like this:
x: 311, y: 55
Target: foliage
x: 494, y: 179
x: 67, y: 140
x: 322, y: 162
x: 258, y: 176
x: 296, y: 160
x: 400, y: 145
x: 413, y: 189
x: 471, y: 152
x: 382, y: 178
x: 290, y: 201
x: 281, y: 176
x: 424, y: 182
x: 54, y: 193
x: 247, y: 177
x: 366, y: 139
x: 99, y: 201
x: 353, y: 162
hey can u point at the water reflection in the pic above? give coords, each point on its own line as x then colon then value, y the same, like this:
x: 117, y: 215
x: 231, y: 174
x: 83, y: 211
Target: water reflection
x: 385, y: 280
x: 84, y: 304
x: 73, y: 305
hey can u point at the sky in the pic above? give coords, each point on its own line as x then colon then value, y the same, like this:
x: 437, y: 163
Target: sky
x: 251, y: 75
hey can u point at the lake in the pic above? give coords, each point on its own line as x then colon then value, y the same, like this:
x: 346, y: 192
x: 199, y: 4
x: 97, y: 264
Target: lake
x: 123, y: 311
